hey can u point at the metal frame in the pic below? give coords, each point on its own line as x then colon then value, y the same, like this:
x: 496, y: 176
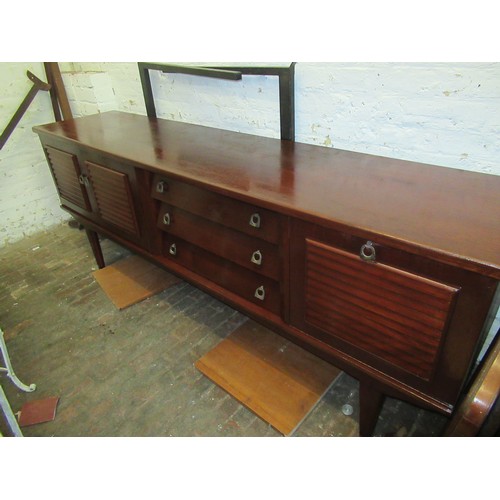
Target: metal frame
x: 4, y: 403
x: 286, y: 76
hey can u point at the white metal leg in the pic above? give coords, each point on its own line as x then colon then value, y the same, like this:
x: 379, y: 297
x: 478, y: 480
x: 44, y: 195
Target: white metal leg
x: 10, y: 370
x: 4, y: 403
x: 7, y: 411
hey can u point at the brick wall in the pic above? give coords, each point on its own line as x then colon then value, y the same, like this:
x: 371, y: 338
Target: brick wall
x: 28, y: 198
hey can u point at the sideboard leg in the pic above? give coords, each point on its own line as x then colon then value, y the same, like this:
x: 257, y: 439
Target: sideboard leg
x: 96, y: 247
x: 370, y: 404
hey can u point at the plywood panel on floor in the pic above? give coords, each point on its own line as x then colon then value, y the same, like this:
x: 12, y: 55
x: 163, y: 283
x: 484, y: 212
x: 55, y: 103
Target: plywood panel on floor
x: 271, y: 376
x: 132, y: 280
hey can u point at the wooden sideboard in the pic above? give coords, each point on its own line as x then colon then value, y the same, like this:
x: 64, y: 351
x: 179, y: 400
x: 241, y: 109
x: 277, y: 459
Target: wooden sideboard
x: 388, y: 269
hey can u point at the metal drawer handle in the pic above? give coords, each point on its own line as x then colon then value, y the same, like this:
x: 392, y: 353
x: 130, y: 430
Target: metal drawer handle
x: 260, y: 293
x: 255, y: 220
x: 256, y: 258
x: 367, y: 252
x: 161, y: 186
x: 166, y: 219
x: 173, y: 249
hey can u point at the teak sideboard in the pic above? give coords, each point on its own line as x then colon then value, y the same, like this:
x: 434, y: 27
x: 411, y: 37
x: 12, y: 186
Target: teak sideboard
x: 388, y: 269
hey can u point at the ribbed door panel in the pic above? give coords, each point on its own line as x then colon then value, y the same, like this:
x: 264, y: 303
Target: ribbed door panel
x: 66, y: 171
x: 113, y: 196
x: 395, y: 315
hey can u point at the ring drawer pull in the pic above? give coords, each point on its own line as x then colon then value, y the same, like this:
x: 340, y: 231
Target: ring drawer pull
x: 260, y: 293
x: 161, y: 186
x: 255, y: 220
x: 256, y: 258
x: 166, y: 219
x: 173, y: 249
x: 367, y: 252
x: 83, y: 180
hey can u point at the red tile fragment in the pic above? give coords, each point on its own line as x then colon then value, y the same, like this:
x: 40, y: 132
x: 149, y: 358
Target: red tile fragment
x: 36, y: 412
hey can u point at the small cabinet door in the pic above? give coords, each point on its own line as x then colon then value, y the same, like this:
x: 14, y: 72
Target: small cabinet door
x: 69, y: 181
x: 111, y: 198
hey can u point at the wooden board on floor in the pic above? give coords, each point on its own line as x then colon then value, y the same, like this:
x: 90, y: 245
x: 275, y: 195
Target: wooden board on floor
x: 274, y: 378
x: 132, y: 280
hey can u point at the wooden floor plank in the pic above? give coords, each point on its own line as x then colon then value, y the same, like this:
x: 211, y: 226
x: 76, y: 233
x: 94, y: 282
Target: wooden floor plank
x: 277, y: 380
x: 132, y: 280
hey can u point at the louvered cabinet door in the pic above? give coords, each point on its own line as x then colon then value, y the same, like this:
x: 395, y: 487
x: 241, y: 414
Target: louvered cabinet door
x: 393, y: 319
x: 69, y: 182
x: 111, y: 196
x: 395, y: 315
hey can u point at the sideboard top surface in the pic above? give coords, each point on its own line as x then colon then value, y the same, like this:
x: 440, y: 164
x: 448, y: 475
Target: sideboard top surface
x: 438, y: 210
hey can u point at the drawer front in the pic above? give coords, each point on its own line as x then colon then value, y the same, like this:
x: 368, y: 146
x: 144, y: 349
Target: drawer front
x: 249, y: 219
x: 252, y: 287
x: 66, y: 173
x: 254, y: 254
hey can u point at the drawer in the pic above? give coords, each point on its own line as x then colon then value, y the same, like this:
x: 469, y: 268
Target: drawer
x: 253, y: 253
x: 250, y: 286
x: 244, y: 217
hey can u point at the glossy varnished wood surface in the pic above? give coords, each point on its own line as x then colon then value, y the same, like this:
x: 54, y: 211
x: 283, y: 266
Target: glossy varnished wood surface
x: 227, y: 243
x: 220, y: 210
x: 393, y: 314
x: 66, y: 171
x: 451, y: 214
x: 372, y: 291
x: 113, y: 197
x: 277, y: 380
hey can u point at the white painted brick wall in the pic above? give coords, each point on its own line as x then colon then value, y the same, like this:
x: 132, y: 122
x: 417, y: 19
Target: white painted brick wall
x: 444, y: 114
x: 28, y: 198
x: 89, y: 92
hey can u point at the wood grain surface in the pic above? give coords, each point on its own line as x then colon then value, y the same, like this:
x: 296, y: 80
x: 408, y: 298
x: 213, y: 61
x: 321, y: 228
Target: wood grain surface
x: 133, y: 279
x: 450, y: 214
x: 274, y: 378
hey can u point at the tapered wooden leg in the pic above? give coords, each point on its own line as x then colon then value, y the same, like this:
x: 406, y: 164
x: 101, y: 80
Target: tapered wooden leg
x: 370, y: 404
x: 96, y: 247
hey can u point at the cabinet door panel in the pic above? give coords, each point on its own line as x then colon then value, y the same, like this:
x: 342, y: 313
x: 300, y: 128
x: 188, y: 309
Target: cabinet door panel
x: 66, y: 173
x: 113, y: 197
x: 394, y: 319
x: 372, y: 318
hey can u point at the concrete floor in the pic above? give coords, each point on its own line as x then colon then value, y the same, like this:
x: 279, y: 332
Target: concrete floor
x: 131, y: 372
